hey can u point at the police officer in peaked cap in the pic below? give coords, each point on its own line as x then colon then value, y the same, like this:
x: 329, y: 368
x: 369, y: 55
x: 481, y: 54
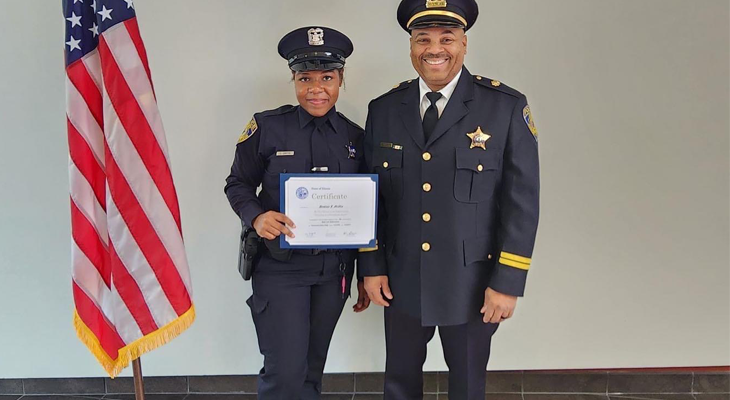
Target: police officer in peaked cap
x: 457, y: 158
x: 298, y: 295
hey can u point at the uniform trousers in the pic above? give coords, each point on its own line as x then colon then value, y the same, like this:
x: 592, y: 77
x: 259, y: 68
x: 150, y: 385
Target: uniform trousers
x: 466, y: 350
x: 295, y: 306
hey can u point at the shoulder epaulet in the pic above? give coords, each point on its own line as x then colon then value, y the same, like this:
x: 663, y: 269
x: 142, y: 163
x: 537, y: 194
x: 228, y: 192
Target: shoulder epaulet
x: 348, y: 121
x: 397, y: 88
x: 496, y: 85
x: 277, y: 111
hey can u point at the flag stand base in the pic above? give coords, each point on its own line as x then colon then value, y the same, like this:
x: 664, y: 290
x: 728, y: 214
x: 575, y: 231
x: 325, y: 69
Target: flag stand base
x: 138, y: 379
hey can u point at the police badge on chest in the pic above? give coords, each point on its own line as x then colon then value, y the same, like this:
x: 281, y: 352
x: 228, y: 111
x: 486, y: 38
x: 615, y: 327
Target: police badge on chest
x: 351, y: 152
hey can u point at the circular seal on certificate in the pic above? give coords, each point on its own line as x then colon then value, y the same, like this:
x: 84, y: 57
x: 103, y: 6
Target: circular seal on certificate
x: 302, y: 193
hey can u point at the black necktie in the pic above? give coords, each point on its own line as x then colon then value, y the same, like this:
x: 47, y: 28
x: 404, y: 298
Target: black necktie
x: 431, y: 117
x: 320, y: 146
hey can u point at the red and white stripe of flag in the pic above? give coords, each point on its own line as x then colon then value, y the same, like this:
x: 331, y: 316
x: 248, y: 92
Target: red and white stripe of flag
x: 131, y: 281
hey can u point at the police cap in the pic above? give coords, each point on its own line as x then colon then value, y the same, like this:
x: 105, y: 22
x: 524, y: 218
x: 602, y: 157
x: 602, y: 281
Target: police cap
x: 416, y: 14
x: 315, y: 48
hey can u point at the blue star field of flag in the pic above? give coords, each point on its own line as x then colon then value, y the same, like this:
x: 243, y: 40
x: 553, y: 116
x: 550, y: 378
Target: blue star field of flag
x: 87, y: 19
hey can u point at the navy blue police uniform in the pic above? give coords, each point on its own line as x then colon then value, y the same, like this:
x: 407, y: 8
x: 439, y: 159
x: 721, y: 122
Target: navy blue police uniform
x: 458, y: 213
x: 298, y: 295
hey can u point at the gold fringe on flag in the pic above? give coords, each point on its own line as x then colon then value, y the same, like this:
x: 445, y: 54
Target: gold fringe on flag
x: 134, y: 350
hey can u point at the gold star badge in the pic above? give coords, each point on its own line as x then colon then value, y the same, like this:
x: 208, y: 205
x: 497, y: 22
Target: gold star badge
x: 478, y: 138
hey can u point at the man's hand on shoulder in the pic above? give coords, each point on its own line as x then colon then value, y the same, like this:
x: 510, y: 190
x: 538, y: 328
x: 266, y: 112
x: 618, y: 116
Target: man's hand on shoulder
x: 497, y: 306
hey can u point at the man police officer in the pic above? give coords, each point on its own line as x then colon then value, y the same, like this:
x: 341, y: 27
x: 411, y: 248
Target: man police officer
x: 458, y: 164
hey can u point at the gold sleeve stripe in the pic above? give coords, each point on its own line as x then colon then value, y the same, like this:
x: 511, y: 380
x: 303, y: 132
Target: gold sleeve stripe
x: 368, y: 249
x: 514, y: 264
x: 515, y: 257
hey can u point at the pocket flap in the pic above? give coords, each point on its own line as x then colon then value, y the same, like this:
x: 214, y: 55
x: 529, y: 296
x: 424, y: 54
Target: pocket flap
x: 476, y: 249
x: 257, y: 303
x: 388, y: 159
x: 284, y: 164
x: 472, y: 159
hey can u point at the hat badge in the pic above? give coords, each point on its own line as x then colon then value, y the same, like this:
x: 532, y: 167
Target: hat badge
x: 435, y: 3
x: 316, y: 37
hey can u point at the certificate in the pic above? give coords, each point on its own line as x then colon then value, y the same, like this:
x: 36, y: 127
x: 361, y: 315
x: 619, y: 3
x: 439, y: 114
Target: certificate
x: 330, y: 211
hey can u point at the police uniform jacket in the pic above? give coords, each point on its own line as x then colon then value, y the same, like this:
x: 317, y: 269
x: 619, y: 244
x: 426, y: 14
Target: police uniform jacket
x: 454, y: 218
x: 288, y: 140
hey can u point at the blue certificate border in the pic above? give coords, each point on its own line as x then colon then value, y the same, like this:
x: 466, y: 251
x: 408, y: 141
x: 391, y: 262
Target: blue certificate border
x: 282, y: 204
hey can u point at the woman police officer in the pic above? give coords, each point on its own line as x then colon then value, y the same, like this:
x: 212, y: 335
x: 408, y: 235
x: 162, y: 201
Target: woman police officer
x: 298, y: 295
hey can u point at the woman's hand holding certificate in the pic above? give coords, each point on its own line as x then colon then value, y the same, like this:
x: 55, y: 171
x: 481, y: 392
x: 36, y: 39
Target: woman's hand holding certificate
x: 271, y: 224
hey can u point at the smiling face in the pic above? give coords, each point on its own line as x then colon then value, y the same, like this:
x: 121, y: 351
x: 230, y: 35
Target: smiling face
x: 438, y: 54
x: 317, y: 91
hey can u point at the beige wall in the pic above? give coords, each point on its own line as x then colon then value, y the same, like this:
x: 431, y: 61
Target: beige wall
x: 631, y: 99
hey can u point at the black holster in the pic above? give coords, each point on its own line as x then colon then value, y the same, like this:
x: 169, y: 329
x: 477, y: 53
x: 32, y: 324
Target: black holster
x: 249, y: 252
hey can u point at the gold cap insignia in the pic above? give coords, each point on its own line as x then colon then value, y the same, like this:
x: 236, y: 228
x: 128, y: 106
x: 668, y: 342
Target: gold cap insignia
x: 316, y: 36
x: 496, y: 83
x: 478, y: 138
x: 435, y: 3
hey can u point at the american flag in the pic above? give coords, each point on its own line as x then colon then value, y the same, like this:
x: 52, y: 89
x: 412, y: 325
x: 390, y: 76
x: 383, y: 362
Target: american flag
x: 131, y: 282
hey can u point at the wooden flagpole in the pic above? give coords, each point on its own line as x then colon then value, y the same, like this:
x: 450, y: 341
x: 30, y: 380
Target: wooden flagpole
x: 138, y: 379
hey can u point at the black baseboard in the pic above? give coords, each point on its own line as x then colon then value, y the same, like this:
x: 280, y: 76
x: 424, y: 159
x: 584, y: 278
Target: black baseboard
x: 545, y: 385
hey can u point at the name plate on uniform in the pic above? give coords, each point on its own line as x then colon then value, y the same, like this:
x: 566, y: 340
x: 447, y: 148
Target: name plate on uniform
x: 331, y: 211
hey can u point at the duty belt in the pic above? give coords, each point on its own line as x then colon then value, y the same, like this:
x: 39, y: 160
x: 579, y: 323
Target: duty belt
x: 312, y: 252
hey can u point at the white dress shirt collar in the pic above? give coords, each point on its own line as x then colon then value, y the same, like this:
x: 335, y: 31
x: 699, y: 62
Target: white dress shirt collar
x: 446, y: 94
